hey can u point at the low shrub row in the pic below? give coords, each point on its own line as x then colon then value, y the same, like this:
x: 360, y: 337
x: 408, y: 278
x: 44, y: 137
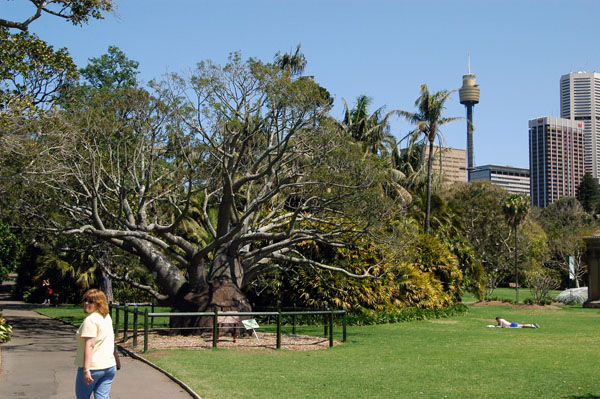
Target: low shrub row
x: 396, y: 315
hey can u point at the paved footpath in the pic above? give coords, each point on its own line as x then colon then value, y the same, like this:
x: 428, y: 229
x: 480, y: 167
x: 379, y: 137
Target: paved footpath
x: 38, y: 362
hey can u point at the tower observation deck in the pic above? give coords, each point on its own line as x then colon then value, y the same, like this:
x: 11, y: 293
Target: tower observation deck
x: 469, y: 96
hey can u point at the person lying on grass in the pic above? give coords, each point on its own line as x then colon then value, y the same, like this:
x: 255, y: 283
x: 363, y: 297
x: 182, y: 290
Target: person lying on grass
x: 505, y: 324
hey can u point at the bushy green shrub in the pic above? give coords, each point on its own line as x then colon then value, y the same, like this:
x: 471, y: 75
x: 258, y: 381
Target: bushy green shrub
x: 5, y: 330
x: 430, y: 278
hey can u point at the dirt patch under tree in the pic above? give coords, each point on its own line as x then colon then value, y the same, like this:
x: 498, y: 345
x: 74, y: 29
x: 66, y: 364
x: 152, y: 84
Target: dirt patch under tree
x: 265, y: 341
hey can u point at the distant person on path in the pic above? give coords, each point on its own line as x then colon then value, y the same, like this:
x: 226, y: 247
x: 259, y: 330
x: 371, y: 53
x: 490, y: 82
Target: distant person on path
x: 505, y: 324
x: 47, y: 291
x: 96, y: 365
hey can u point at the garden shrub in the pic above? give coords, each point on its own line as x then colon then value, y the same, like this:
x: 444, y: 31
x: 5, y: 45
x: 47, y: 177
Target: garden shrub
x: 541, y: 282
x: 5, y: 330
x: 431, y: 277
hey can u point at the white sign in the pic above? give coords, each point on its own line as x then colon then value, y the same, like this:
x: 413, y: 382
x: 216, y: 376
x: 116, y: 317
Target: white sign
x: 250, y: 324
x: 571, y: 268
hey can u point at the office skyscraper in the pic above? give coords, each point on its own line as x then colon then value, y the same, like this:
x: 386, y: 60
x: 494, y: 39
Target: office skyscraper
x: 556, y: 158
x: 580, y: 101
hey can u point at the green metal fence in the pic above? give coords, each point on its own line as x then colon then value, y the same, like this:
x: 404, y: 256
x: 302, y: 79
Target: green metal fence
x: 135, y: 311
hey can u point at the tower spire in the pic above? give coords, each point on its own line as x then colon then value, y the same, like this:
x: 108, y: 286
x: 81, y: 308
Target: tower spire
x: 469, y: 63
x: 469, y: 96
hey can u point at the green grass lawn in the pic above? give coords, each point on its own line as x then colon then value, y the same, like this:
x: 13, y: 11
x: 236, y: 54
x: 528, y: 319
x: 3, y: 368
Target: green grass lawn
x: 507, y: 293
x: 456, y: 357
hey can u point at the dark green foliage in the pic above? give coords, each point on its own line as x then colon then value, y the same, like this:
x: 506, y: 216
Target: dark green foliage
x: 477, y: 209
x: 31, y: 71
x: 10, y: 252
x: 588, y: 193
x: 111, y: 70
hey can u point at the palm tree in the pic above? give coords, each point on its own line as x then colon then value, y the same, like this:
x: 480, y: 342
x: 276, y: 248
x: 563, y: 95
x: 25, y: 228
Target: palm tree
x: 427, y: 120
x: 371, y: 130
x: 294, y: 64
x: 515, y: 210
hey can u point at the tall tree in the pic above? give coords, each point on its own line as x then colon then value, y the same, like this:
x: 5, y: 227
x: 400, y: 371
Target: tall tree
x: 515, y: 209
x: 566, y: 223
x: 427, y: 120
x: 477, y: 206
x: 588, y: 192
x: 111, y: 70
x: 255, y: 149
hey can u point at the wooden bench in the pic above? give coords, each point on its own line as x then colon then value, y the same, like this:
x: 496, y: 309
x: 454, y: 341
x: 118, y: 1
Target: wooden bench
x: 229, y: 321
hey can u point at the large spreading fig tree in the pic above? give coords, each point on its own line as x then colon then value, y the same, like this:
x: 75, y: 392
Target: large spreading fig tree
x: 210, y: 179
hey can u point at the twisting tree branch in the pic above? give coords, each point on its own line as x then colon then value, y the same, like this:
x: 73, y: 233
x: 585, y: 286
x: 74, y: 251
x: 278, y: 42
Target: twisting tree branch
x: 125, y: 278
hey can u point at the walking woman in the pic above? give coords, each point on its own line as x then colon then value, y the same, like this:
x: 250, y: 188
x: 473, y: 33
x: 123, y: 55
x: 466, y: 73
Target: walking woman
x: 95, y: 349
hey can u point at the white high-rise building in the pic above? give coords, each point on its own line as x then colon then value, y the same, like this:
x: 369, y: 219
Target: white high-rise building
x: 514, y: 180
x: 580, y: 101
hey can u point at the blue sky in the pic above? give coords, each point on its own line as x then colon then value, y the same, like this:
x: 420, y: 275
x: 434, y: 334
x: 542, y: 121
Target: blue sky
x: 382, y: 48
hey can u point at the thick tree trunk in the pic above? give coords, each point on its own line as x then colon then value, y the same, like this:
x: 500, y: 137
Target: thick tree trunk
x: 220, y: 289
x: 221, y: 294
x: 106, y: 286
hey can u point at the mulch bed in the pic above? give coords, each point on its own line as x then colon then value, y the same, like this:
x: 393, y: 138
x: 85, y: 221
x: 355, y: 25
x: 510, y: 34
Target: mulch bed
x: 266, y: 341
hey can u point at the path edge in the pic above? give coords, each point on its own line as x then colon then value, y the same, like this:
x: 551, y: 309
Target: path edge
x: 135, y: 356
x: 165, y: 372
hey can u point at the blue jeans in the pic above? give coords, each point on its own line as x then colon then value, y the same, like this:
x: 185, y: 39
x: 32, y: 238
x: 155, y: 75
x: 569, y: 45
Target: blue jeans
x: 101, y: 386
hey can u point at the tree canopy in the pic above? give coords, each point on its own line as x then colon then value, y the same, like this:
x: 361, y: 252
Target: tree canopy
x: 75, y: 11
x: 210, y: 180
x: 588, y: 192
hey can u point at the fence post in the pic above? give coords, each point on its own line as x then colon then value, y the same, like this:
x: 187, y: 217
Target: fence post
x: 125, y: 323
x: 278, y: 328
x: 331, y: 329
x: 135, y: 325
x: 146, y: 330
x: 294, y: 321
x: 117, y: 322
x: 325, y: 322
x: 152, y: 321
x: 344, y: 326
x: 215, y: 327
